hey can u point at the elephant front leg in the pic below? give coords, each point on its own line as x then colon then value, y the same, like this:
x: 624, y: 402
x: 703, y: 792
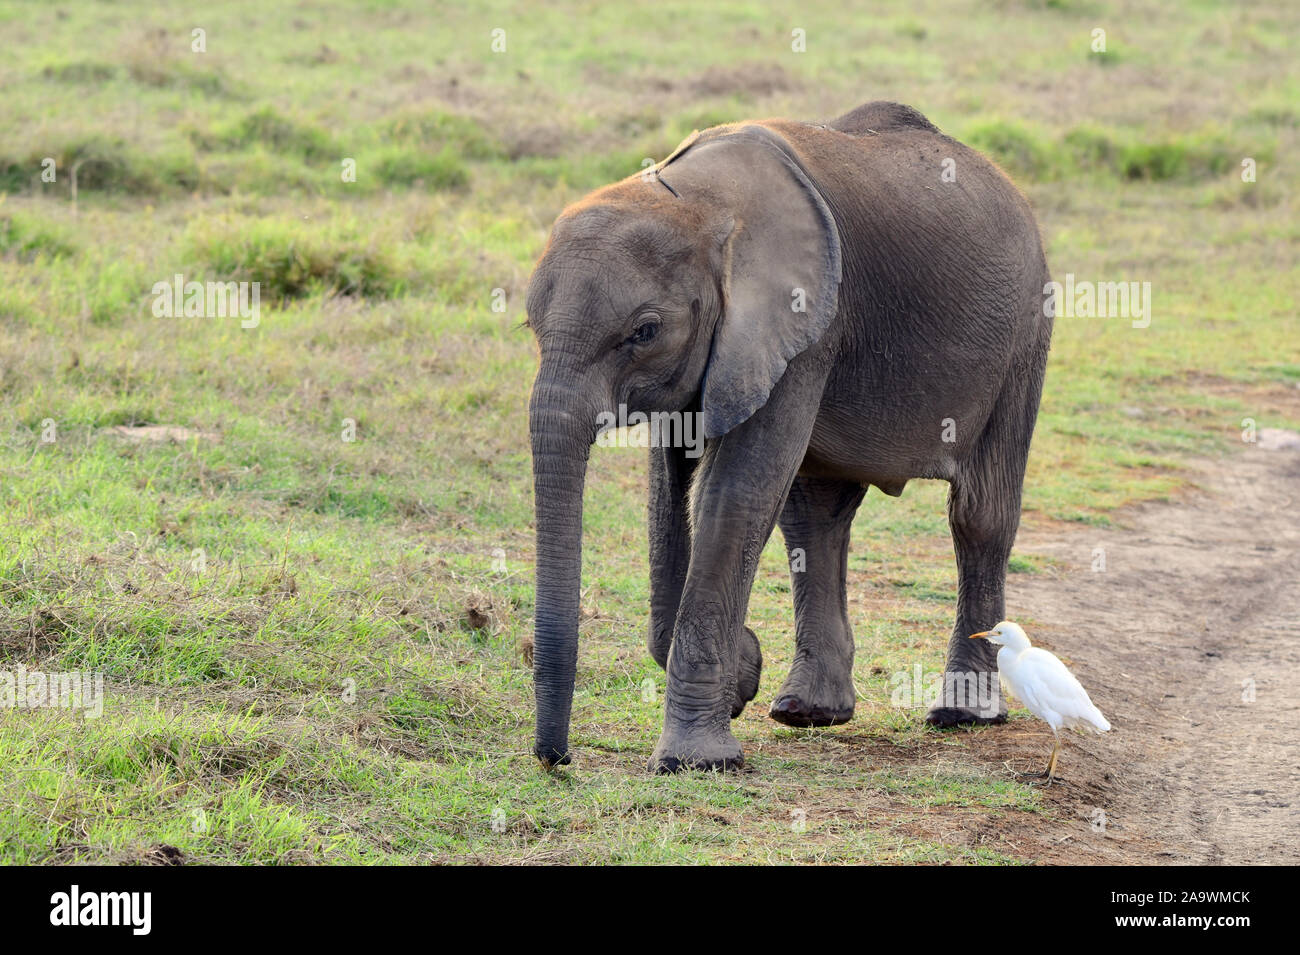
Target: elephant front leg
x: 707, y: 660
x: 742, y: 482
x: 670, y: 553
x: 698, y: 704
x: 816, y: 522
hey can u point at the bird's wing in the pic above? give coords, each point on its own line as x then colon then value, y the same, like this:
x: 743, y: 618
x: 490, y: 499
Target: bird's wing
x: 1020, y: 680
x: 1056, y: 687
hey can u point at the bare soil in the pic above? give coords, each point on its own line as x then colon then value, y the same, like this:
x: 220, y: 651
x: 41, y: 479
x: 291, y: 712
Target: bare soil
x: 1189, y: 640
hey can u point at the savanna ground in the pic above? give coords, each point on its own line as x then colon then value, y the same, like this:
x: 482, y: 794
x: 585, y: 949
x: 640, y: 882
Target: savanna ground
x: 315, y: 648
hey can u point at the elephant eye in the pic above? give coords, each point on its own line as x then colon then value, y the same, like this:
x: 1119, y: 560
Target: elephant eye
x: 643, y: 334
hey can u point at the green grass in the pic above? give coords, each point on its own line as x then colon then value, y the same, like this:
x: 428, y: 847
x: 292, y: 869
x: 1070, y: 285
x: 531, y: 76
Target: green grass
x: 25, y: 237
x: 311, y: 646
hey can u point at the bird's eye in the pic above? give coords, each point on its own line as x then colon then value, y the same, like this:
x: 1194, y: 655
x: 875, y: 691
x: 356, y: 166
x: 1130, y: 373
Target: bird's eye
x: 643, y: 334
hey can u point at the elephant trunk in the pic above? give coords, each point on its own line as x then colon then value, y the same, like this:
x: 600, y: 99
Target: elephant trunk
x: 562, y: 426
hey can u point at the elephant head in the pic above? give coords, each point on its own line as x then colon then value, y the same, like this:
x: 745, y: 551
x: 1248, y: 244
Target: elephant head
x: 689, y: 286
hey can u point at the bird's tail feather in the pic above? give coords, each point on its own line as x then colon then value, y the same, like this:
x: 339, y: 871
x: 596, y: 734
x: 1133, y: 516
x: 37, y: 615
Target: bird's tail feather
x: 1089, y: 720
x: 1099, y: 723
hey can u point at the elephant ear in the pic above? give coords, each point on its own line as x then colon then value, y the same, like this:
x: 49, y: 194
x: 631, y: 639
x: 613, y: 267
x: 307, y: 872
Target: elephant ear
x: 781, y: 262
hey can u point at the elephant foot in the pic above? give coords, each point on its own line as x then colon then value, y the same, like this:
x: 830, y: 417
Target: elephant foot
x: 550, y: 759
x: 970, y: 697
x: 699, y: 750
x: 792, y: 711
x: 809, y: 697
x: 749, y: 667
x: 946, y: 717
x: 704, y: 693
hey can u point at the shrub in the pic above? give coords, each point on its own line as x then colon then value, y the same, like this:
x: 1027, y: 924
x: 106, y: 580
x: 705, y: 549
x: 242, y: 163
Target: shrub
x: 1153, y: 160
x: 1189, y: 157
x: 279, y: 133
x: 408, y: 167
x: 1013, y: 146
x: 462, y: 135
x: 26, y: 238
x: 1090, y: 148
x: 292, y: 260
x: 81, y: 71
x: 104, y: 164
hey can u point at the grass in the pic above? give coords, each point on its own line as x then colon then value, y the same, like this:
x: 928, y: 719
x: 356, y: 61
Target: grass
x: 311, y: 611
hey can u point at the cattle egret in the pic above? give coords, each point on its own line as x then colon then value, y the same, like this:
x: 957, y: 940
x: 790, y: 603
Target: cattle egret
x: 1039, y: 680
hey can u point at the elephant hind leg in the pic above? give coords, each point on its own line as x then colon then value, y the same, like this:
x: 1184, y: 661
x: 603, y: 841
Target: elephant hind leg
x: 670, y: 544
x: 816, y: 522
x: 984, y: 514
x: 982, y: 541
x: 749, y: 668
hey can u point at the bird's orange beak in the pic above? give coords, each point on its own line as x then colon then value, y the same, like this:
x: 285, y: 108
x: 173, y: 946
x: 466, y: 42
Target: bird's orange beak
x: 984, y: 633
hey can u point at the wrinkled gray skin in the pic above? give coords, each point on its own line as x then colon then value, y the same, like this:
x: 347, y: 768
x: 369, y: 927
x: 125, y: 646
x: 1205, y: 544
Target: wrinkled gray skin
x: 677, y: 290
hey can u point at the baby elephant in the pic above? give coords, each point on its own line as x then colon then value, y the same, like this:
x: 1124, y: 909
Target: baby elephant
x: 838, y: 305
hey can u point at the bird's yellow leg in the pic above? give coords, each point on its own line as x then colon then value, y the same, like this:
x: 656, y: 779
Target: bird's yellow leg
x: 1051, y: 763
x: 1050, y: 770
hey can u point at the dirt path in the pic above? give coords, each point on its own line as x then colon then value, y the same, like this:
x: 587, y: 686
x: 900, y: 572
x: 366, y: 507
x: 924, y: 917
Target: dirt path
x: 1197, y: 608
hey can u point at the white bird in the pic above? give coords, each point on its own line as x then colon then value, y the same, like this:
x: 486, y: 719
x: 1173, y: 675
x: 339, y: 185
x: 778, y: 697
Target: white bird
x: 1040, y: 681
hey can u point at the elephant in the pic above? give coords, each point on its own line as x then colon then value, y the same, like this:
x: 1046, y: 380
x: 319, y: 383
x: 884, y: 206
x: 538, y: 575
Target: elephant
x: 841, y: 305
